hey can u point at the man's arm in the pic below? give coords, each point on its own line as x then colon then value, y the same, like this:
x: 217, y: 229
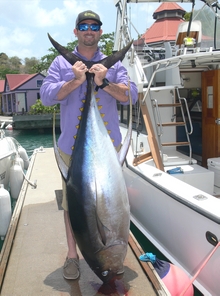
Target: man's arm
x: 79, y: 69
x: 67, y: 88
x: 118, y: 91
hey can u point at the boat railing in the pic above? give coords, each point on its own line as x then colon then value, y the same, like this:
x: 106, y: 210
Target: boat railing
x: 160, y: 67
x: 189, y: 132
x: 122, y: 38
x: 169, y: 119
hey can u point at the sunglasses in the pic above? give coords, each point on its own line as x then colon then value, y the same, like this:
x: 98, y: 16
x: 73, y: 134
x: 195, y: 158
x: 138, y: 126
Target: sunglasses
x: 85, y: 27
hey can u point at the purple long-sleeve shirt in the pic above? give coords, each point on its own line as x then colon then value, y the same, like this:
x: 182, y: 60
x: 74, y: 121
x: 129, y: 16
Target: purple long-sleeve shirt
x: 60, y: 72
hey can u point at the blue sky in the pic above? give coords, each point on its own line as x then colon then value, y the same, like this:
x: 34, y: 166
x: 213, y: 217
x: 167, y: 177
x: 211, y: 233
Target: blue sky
x: 25, y: 23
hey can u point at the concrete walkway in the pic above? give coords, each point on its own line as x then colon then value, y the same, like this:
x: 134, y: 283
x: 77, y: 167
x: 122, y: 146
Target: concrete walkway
x: 39, y: 248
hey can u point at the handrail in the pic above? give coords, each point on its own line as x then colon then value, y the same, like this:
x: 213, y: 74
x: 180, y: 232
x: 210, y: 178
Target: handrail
x: 189, y: 117
x: 159, y: 124
x: 188, y: 114
x: 157, y: 113
x: 190, y: 122
x: 158, y: 69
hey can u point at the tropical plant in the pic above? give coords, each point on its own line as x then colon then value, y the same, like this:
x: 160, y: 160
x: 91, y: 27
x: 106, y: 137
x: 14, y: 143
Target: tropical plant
x: 39, y: 108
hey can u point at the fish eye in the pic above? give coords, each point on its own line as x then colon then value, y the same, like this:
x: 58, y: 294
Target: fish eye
x: 105, y: 273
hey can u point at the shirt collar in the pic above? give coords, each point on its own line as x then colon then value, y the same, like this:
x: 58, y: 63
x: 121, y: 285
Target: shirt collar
x: 97, y: 56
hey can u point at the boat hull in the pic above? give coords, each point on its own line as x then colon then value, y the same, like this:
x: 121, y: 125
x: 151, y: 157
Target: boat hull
x: 176, y: 224
x: 7, y: 153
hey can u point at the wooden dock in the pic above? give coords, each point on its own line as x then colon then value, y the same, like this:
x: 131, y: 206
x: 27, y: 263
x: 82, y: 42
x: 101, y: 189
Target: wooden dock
x: 38, y: 121
x: 27, y: 121
x: 35, y: 248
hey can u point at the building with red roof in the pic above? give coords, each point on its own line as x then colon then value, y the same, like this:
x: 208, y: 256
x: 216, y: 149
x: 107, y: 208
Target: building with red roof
x: 19, y: 92
x: 2, y: 86
x: 168, y: 16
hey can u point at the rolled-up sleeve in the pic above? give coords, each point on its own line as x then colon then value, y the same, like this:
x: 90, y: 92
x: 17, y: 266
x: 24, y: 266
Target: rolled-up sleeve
x: 52, y: 84
x: 123, y: 77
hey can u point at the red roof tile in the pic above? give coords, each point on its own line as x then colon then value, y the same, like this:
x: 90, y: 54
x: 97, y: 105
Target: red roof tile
x: 15, y: 80
x: 168, y: 6
x: 162, y: 30
x: 2, y: 85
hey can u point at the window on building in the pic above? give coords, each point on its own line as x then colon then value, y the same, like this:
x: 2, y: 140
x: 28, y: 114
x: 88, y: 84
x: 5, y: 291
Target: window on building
x: 7, y: 87
x: 39, y: 83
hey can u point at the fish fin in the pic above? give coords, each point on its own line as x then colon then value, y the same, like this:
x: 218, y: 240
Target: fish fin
x: 107, y: 62
x: 60, y: 162
x: 101, y: 230
x: 68, y: 55
x: 127, y: 140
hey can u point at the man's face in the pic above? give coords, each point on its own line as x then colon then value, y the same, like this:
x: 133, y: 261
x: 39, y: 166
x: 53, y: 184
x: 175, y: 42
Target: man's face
x: 89, y: 37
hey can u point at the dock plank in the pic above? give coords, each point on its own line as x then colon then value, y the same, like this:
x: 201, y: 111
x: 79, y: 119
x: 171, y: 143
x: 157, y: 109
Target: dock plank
x: 39, y: 247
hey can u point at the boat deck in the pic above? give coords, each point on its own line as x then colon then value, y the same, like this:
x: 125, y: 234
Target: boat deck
x: 39, y: 247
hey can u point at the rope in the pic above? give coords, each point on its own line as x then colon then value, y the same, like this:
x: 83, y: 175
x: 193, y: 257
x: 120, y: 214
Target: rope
x: 200, y: 269
x: 33, y: 184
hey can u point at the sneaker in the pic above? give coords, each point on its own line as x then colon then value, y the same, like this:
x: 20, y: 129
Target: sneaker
x: 71, y: 269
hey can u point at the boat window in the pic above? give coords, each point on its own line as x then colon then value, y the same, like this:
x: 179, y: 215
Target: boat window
x: 210, y: 24
x: 137, y: 118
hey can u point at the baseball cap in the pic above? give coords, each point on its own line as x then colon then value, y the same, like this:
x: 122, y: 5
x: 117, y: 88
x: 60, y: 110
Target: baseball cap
x: 88, y: 15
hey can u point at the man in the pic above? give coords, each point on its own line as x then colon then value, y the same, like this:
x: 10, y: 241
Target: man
x: 66, y: 84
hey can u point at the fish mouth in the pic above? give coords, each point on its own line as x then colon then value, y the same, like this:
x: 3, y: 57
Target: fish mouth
x: 119, y: 272
x: 110, y: 264
x: 110, y: 277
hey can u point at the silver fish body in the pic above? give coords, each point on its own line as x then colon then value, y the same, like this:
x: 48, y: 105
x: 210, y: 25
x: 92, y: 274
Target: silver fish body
x: 97, y: 197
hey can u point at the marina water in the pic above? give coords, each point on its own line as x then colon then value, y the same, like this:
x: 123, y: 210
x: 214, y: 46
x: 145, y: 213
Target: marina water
x: 32, y: 139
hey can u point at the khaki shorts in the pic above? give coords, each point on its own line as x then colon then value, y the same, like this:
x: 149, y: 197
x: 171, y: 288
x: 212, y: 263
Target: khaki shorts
x: 66, y: 159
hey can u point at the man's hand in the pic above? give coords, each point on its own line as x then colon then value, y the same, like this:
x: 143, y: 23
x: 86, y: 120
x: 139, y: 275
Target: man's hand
x: 80, y: 69
x: 100, y: 72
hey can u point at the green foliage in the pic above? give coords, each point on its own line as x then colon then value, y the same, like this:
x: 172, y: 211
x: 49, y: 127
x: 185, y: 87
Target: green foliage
x: 8, y: 65
x: 39, y: 108
x: 46, y: 60
x: 71, y: 45
x: 187, y: 16
x: 29, y: 65
x: 106, y: 43
x: 13, y: 65
x: 4, y: 71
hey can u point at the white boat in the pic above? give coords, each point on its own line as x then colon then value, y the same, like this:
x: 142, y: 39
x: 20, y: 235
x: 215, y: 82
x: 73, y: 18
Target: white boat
x: 9, y: 150
x: 173, y: 189
x: 13, y: 163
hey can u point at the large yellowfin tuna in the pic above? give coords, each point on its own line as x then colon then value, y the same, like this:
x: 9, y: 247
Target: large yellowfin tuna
x: 96, y: 191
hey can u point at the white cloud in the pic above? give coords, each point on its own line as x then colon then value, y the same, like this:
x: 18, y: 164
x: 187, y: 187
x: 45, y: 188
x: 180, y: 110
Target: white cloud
x: 22, y: 36
x: 34, y: 14
x: 16, y: 41
x: 51, y: 18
